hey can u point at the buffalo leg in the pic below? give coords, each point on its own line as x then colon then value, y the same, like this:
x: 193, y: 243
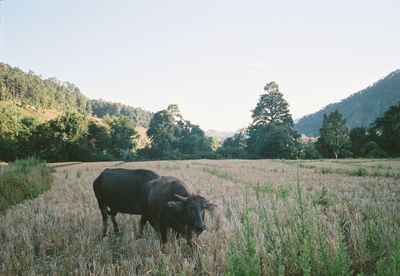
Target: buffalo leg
x: 103, y: 209
x: 163, y: 233
x: 189, y: 239
x: 113, y: 214
x: 143, y: 221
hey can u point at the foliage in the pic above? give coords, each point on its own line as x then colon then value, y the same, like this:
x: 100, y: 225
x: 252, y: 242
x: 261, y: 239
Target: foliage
x: 102, y: 108
x: 70, y: 137
x: 32, y: 90
x: 161, y: 133
x: 309, y: 151
x: 235, y: 146
x: 389, y: 128
x: 23, y: 179
x: 75, y: 135
x: 272, y: 108
x: 360, y: 109
x: 358, y: 138
x: 334, y: 139
x: 273, y: 141
x: 271, y: 134
x: 122, y: 136
x: 171, y: 137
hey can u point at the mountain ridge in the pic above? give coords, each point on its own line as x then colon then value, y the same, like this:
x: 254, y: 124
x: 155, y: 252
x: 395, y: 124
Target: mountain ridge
x: 360, y: 109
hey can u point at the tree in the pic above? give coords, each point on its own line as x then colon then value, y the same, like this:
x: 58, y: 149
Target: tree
x: 161, y: 133
x: 388, y: 126
x: 10, y: 130
x: 123, y: 134
x: 359, y: 139
x: 273, y: 141
x: 68, y: 131
x: 271, y: 134
x: 272, y: 108
x: 334, y: 138
x: 235, y: 146
x: 173, y: 109
x: 190, y: 139
x: 99, y: 141
x: 174, y: 137
x: 309, y: 151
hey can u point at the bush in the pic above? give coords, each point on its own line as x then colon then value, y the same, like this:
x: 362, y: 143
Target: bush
x: 23, y: 179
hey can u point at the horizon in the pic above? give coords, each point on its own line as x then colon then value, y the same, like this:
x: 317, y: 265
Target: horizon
x: 224, y: 62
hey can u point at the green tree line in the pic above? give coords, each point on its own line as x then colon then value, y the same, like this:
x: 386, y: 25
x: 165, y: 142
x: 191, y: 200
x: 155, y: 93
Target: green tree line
x: 70, y: 137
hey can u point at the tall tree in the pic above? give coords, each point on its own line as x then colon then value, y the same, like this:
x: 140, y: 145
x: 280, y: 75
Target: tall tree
x: 272, y: 107
x: 271, y: 134
x: 334, y: 137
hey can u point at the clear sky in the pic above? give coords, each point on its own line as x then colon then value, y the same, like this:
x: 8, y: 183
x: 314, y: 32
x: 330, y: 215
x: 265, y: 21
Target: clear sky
x: 212, y: 58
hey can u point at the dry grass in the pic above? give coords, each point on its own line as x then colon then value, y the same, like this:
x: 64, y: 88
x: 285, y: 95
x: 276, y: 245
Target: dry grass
x: 266, y: 222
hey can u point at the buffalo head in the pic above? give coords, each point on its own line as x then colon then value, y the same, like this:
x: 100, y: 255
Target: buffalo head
x: 193, y: 208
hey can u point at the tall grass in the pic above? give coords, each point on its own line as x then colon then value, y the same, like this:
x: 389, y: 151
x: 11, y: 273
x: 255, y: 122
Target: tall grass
x: 23, y: 179
x: 296, y: 234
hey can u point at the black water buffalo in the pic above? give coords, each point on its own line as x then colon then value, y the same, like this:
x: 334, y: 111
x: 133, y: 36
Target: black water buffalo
x: 123, y: 191
x: 171, y: 205
x: 166, y: 202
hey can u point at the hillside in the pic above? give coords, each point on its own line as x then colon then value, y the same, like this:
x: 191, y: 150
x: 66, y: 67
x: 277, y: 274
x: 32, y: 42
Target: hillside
x: 360, y: 109
x: 219, y: 135
x: 45, y: 98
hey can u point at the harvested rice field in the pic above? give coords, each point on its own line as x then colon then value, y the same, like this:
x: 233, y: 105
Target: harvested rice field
x: 273, y: 217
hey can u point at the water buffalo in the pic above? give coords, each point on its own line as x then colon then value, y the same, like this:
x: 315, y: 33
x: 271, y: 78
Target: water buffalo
x: 171, y: 205
x: 166, y: 202
x: 122, y: 191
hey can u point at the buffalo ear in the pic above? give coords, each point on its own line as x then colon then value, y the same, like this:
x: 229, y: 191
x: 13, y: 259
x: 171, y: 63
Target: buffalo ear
x: 175, y: 205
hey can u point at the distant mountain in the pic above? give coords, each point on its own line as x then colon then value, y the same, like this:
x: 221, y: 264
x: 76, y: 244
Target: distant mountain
x: 219, y: 135
x: 39, y: 96
x: 360, y: 109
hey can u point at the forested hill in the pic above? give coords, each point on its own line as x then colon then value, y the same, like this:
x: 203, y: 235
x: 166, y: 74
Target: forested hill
x: 30, y: 90
x: 360, y: 109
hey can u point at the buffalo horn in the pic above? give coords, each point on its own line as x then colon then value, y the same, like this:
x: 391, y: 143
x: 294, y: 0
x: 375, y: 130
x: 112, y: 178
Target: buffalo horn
x: 181, y: 198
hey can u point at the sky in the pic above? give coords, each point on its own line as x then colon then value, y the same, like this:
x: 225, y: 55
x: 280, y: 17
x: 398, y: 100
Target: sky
x: 212, y: 58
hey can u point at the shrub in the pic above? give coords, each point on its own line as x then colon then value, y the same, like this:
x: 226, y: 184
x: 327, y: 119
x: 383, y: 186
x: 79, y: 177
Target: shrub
x: 23, y: 179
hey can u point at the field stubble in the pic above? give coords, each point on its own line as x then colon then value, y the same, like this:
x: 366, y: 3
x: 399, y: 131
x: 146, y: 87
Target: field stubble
x: 266, y: 222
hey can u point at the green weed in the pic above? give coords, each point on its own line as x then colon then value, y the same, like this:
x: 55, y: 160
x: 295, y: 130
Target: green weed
x: 24, y: 179
x: 219, y: 173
